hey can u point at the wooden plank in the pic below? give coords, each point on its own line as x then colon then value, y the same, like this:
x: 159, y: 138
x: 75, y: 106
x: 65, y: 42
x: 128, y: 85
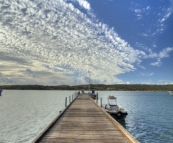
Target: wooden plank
x: 83, y: 122
x: 64, y: 140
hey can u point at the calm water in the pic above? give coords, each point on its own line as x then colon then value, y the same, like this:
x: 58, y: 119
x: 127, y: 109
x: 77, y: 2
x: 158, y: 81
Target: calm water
x: 24, y: 114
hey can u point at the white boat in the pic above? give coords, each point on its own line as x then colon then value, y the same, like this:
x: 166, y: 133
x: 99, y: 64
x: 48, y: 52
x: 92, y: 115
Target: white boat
x: 170, y: 92
x: 114, y: 110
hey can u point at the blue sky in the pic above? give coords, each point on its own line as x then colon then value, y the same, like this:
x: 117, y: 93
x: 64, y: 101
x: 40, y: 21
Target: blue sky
x: 57, y: 42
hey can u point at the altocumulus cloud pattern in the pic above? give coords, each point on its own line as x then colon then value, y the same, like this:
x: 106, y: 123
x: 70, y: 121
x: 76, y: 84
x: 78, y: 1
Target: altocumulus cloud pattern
x: 57, y: 42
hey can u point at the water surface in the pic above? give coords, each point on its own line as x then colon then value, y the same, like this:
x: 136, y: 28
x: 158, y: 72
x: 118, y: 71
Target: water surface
x: 150, y: 114
x: 25, y: 113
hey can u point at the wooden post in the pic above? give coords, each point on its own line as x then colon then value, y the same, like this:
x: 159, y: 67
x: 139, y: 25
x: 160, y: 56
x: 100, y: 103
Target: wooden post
x: 97, y: 95
x: 72, y: 97
x: 100, y: 101
x: 69, y: 99
x: 66, y: 102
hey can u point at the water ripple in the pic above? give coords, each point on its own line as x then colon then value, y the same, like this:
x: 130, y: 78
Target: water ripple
x: 24, y: 114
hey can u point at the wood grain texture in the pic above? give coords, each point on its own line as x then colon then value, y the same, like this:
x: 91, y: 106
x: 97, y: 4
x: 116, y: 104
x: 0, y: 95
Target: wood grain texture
x: 83, y: 122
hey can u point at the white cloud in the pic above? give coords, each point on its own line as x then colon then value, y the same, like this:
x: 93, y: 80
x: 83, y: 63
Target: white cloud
x: 145, y: 35
x: 84, y: 4
x: 146, y: 74
x: 138, y: 11
x: 148, y: 7
x: 165, y: 52
x: 150, y: 74
x: 162, y: 54
x: 52, y: 42
x: 160, y: 13
x: 165, y: 82
x: 166, y: 13
x: 158, y: 63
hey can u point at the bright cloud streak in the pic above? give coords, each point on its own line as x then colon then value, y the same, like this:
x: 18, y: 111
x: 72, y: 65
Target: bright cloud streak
x: 84, y: 4
x: 52, y: 42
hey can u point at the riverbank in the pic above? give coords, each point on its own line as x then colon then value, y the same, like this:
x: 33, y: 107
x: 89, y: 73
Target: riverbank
x: 115, y: 87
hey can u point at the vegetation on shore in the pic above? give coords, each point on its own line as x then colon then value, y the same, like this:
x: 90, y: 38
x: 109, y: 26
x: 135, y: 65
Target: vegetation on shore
x: 115, y: 87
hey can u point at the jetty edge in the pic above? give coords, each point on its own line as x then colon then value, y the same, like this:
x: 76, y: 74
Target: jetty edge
x: 116, y: 124
x: 82, y: 124
x: 37, y: 139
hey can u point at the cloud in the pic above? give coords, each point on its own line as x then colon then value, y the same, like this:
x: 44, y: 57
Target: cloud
x: 57, y: 39
x: 54, y: 42
x: 165, y: 82
x: 162, y: 54
x: 160, y: 14
x: 139, y: 10
x: 158, y: 63
x: 148, y: 7
x: 166, y: 16
x: 165, y: 52
x: 162, y: 17
x: 84, y: 4
x: 146, y: 74
x: 4, y: 80
x: 17, y: 60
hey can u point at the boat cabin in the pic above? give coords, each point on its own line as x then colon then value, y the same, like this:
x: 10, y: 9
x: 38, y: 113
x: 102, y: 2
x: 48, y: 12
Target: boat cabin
x: 112, y: 100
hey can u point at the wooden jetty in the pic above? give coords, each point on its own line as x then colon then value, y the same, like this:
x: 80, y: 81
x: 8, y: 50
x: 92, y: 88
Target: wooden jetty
x: 83, y: 121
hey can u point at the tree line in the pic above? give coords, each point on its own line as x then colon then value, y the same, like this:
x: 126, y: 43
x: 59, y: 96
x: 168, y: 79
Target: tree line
x: 115, y: 87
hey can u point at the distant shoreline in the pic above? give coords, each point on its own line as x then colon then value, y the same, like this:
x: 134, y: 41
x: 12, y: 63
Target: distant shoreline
x: 101, y: 87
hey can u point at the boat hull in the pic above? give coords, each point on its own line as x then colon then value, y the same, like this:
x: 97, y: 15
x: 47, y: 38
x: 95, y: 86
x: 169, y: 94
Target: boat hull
x: 118, y: 116
x: 116, y: 112
x: 170, y: 92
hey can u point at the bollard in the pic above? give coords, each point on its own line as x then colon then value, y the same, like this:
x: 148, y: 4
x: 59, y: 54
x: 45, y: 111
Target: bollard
x: 100, y: 101
x: 69, y: 99
x: 97, y: 95
x: 72, y: 97
x: 66, y: 102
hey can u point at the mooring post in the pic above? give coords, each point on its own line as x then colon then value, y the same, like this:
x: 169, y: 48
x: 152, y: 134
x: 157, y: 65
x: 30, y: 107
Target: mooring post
x: 72, y: 97
x: 69, y: 99
x: 100, y: 101
x: 66, y: 102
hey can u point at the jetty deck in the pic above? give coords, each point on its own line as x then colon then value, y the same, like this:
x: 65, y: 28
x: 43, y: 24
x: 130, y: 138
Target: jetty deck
x: 85, y: 122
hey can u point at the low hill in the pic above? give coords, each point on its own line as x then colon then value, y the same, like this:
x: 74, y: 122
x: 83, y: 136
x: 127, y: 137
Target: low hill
x: 115, y: 87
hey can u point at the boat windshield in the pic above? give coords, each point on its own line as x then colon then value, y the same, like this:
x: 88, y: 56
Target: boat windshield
x: 112, y: 101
